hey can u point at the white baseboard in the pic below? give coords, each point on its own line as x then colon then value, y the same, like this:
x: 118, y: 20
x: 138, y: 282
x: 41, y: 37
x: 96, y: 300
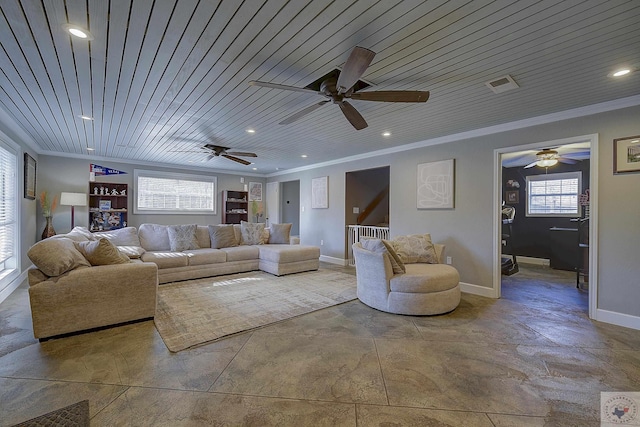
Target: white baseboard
x: 334, y: 260
x: 477, y: 290
x: 618, y: 319
x: 532, y: 260
x: 13, y: 285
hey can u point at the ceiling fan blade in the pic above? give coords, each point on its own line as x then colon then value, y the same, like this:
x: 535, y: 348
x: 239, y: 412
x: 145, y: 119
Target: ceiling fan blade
x: 567, y: 160
x: 357, y: 63
x: 530, y: 165
x: 391, y: 96
x: 239, y: 153
x: 236, y: 159
x: 292, y: 118
x: 283, y: 87
x: 354, y: 117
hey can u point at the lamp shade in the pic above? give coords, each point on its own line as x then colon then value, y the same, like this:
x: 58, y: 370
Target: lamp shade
x: 73, y: 199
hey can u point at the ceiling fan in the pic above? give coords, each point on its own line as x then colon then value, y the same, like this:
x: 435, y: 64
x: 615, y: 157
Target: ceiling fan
x: 218, y: 151
x: 549, y: 157
x: 339, y: 90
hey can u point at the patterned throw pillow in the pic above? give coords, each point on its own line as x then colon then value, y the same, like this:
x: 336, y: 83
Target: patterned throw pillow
x: 415, y: 248
x: 56, y: 256
x: 252, y: 233
x: 101, y: 252
x: 383, y: 246
x: 222, y: 236
x: 183, y: 237
x: 280, y: 233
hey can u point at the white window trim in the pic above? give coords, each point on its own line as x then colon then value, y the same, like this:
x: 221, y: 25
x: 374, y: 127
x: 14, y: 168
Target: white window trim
x: 11, y: 268
x: 554, y: 176
x: 174, y: 175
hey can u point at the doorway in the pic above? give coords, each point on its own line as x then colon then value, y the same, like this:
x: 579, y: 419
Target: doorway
x: 290, y: 205
x: 502, y: 191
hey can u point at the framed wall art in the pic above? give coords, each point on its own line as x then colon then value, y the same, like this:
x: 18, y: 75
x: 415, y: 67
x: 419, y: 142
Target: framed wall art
x: 29, y: 177
x: 320, y: 192
x: 512, y: 196
x: 435, y: 186
x: 255, y: 191
x: 626, y: 154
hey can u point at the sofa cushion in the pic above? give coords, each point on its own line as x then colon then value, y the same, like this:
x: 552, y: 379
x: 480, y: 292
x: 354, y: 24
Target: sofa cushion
x: 202, y: 236
x: 78, y: 234
x: 280, y: 233
x: 241, y: 253
x: 415, y: 248
x: 383, y: 247
x: 425, y: 278
x: 127, y: 236
x: 205, y: 256
x: 222, y: 236
x: 56, y: 256
x: 288, y: 253
x: 166, y: 259
x: 101, y: 252
x: 133, y: 252
x: 154, y: 237
x: 252, y: 233
x: 182, y: 237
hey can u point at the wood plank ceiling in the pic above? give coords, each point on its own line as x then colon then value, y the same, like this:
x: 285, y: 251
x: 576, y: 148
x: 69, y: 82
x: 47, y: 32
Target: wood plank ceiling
x: 161, y: 77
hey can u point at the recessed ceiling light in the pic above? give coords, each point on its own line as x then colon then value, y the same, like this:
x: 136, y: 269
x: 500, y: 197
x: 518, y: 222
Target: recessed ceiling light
x: 255, y: 169
x: 304, y: 156
x: 91, y: 149
x: 83, y: 117
x: 387, y: 134
x: 251, y: 131
x: 621, y: 72
x: 78, y: 32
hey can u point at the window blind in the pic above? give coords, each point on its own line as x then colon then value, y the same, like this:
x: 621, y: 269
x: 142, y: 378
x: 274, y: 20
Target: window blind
x: 8, y: 204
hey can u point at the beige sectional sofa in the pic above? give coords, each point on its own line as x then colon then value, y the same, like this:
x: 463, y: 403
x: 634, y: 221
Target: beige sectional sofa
x: 68, y: 293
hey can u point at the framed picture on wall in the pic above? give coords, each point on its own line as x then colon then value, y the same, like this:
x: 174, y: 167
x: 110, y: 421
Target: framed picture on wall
x: 512, y: 196
x: 320, y: 193
x: 29, y: 177
x: 435, y: 185
x: 626, y: 154
x: 255, y: 191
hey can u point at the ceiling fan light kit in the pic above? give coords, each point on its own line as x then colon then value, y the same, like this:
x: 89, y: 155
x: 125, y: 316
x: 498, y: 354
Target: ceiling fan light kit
x: 341, y: 85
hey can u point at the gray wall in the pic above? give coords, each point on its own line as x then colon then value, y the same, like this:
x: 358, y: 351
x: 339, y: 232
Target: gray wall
x: 57, y: 174
x: 467, y: 229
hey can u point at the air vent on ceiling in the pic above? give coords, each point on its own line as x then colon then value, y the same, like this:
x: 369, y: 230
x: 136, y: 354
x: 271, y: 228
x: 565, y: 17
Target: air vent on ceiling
x: 502, y: 84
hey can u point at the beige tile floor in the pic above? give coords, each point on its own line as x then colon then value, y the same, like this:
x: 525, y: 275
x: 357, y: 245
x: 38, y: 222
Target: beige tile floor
x: 532, y: 358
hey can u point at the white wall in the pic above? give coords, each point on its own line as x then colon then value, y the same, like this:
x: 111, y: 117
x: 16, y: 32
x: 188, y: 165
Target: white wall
x: 467, y: 229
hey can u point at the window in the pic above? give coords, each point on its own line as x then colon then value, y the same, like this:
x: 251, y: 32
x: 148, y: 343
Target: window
x: 174, y: 193
x: 8, y: 210
x: 554, y: 194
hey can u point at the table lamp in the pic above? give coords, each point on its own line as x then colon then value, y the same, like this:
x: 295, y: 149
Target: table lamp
x: 73, y: 199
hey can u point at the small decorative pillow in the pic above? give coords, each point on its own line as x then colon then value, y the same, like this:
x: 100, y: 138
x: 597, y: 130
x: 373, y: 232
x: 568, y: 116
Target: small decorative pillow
x: 80, y: 234
x: 415, y: 248
x: 133, y: 252
x: 222, y: 236
x: 101, y: 252
x: 381, y: 246
x: 252, y: 233
x: 183, y: 237
x: 127, y: 236
x: 56, y: 256
x: 280, y: 233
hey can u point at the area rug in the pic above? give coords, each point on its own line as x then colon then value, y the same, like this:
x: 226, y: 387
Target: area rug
x: 199, y: 311
x: 76, y: 415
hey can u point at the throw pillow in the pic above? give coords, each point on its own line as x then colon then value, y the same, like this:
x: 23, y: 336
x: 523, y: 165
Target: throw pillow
x: 182, y: 237
x: 379, y: 246
x: 133, y: 252
x: 280, y: 233
x: 80, y: 234
x: 56, y: 256
x: 252, y: 233
x: 127, y: 236
x: 222, y: 236
x: 415, y: 248
x: 101, y: 252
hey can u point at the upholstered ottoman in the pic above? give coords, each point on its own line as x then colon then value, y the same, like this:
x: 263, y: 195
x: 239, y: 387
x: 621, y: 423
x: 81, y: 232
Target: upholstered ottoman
x: 286, y: 259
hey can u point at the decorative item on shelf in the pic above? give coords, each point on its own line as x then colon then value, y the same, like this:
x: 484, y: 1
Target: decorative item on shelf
x: 95, y: 190
x: 48, y: 206
x: 105, y: 205
x: 123, y: 192
x: 114, y: 192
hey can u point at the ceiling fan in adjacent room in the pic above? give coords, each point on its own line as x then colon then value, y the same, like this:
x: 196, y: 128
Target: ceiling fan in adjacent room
x: 549, y: 157
x: 218, y: 151
x: 342, y: 85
